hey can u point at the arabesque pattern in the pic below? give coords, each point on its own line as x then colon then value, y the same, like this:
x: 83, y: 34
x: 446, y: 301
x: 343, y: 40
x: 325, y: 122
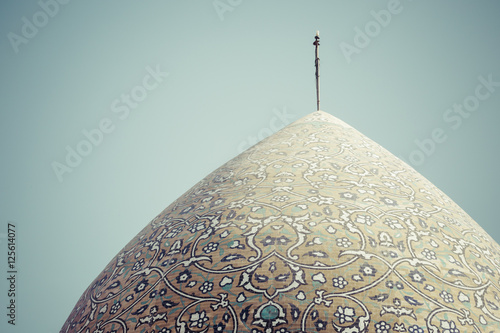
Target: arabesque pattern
x: 316, y: 228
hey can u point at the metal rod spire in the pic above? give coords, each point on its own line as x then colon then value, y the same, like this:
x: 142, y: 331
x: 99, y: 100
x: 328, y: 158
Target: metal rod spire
x: 316, y: 42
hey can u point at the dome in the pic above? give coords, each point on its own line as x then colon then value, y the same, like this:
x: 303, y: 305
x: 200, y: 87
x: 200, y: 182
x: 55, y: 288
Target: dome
x: 316, y: 228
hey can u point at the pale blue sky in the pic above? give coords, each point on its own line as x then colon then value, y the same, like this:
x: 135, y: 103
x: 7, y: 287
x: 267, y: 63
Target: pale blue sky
x: 231, y: 76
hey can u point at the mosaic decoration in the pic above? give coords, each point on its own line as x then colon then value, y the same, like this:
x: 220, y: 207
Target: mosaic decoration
x: 316, y: 228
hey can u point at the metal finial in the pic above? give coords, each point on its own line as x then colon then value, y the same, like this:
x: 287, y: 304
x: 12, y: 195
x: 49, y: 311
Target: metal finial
x: 316, y: 42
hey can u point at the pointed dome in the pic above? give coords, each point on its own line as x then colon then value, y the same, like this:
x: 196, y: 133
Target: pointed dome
x: 316, y: 228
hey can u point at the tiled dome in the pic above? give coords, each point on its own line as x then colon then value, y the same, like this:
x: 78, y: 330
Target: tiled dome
x: 316, y: 228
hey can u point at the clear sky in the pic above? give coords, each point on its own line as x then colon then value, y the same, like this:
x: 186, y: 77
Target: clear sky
x: 110, y: 110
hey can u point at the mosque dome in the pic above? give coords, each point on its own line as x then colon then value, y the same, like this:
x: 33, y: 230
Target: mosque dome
x: 316, y: 228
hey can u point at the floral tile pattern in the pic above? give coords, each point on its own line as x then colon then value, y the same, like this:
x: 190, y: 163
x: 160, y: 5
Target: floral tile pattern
x: 316, y: 228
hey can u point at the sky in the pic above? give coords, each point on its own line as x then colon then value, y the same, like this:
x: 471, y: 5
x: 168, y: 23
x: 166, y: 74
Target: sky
x: 111, y: 110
